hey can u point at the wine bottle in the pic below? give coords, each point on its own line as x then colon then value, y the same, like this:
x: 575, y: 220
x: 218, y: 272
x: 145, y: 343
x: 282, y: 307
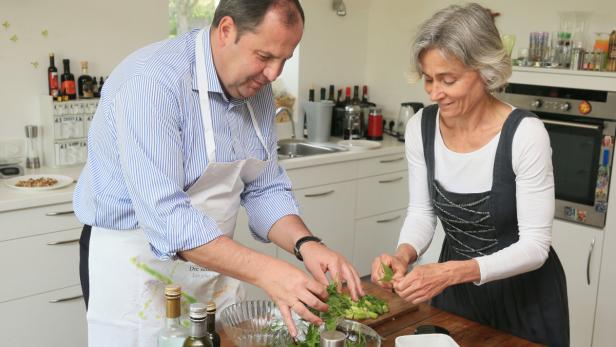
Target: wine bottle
x: 331, y: 93
x: 355, y: 99
x: 68, y: 81
x: 52, y: 77
x: 95, y: 90
x: 173, y: 334
x: 198, y: 332
x: 322, y: 94
x: 211, y: 324
x: 101, y: 81
x: 84, y: 83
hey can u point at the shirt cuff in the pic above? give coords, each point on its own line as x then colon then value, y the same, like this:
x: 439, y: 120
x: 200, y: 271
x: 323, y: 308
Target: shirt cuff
x: 483, y: 270
x: 263, y: 213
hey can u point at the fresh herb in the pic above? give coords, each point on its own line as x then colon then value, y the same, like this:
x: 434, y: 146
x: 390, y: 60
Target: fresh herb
x: 389, y: 274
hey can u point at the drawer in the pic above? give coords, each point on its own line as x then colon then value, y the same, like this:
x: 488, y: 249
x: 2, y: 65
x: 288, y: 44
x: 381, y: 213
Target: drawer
x: 380, y: 194
x: 39, y: 321
x: 381, y: 165
x: 322, y: 174
x: 36, y: 221
x: 32, y: 265
x: 374, y: 236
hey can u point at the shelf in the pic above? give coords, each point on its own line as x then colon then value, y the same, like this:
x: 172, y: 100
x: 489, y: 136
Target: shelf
x: 596, y: 80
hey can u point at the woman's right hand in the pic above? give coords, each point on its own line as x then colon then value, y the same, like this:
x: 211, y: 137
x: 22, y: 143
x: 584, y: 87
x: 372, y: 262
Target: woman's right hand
x: 292, y: 290
x: 394, y: 262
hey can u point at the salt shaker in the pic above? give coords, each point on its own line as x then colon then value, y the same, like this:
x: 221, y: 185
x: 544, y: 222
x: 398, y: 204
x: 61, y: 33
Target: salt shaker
x: 32, y: 147
x: 332, y: 338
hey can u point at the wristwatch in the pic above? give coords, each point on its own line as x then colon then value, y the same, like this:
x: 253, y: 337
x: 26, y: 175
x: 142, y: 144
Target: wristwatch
x: 300, y: 242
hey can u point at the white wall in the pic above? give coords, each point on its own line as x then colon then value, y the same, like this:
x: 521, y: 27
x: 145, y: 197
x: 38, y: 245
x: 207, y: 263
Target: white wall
x: 101, y: 32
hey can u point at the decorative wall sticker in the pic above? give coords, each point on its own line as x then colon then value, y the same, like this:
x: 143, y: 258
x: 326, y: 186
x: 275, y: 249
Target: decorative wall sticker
x: 35, y: 64
x: 6, y: 25
x: 45, y: 33
x: 14, y: 38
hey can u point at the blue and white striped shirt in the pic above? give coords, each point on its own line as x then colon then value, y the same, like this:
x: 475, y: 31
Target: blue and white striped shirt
x: 146, y: 147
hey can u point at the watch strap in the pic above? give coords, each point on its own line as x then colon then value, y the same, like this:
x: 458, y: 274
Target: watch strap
x: 300, y: 242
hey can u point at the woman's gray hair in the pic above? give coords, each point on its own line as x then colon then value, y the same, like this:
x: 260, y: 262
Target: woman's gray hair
x: 469, y: 34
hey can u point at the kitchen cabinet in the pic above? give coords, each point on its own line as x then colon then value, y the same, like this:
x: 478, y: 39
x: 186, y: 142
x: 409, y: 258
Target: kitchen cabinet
x: 579, y: 249
x: 374, y: 236
x: 39, y: 261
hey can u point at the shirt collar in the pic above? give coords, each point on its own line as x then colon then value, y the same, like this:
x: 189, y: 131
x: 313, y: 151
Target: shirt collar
x: 213, y: 82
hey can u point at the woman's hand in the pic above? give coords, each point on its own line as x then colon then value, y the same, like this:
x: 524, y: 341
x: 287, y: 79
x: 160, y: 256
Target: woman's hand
x: 397, y: 265
x: 426, y: 281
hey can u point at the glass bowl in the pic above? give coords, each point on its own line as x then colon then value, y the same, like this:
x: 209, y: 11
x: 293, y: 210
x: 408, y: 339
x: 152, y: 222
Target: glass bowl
x: 254, y: 324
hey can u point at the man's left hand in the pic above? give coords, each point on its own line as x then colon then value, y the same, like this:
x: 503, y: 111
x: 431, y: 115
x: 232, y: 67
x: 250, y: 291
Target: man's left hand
x: 319, y: 260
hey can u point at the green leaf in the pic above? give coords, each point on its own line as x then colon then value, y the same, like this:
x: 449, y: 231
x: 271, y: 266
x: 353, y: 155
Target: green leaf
x: 388, y: 274
x: 6, y: 24
x: 14, y: 38
x: 35, y: 64
x: 45, y: 33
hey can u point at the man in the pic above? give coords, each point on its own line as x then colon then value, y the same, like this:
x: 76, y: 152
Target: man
x: 183, y: 135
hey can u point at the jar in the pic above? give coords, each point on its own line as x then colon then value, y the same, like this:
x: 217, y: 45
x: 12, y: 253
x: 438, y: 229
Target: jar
x: 375, y: 125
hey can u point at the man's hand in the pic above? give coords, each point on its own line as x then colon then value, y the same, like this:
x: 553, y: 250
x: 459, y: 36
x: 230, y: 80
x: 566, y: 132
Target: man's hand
x: 319, y: 260
x: 394, y: 262
x: 291, y: 289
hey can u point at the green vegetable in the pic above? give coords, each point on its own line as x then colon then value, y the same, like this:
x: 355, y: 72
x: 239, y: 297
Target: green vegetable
x: 389, y: 273
x: 342, y: 306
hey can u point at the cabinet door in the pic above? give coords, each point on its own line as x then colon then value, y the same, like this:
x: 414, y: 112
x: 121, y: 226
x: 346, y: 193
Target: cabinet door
x: 380, y: 194
x: 243, y: 236
x: 39, y: 263
x: 328, y: 212
x: 56, y: 318
x: 579, y: 250
x: 374, y: 236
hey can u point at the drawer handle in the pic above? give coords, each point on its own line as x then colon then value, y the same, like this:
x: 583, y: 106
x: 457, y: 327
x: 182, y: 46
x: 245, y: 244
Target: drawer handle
x: 318, y: 194
x: 391, y: 160
x: 391, y: 180
x: 64, y: 242
x: 388, y: 220
x: 59, y: 213
x: 592, y: 245
x: 70, y: 298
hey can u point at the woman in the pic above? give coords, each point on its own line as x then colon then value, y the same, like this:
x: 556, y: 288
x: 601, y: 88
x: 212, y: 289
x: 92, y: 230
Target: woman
x: 484, y: 169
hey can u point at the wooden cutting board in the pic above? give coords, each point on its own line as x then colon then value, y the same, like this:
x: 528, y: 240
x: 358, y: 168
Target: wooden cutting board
x: 397, y: 306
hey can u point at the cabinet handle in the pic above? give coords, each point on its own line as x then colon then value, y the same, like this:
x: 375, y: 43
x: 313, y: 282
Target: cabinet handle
x: 318, y: 194
x: 388, y: 220
x: 592, y: 245
x: 55, y: 301
x: 391, y: 160
x: 59, y: 213
x: 64, y: 242
x: 391, y: 180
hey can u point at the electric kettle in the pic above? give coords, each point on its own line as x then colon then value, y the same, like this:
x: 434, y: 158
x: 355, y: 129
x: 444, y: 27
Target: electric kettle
x: 407, y: 110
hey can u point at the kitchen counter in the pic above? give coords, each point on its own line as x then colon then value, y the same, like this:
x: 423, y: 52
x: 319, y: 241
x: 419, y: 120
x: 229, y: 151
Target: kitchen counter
x: 12, y: 199
x: 408, y: 317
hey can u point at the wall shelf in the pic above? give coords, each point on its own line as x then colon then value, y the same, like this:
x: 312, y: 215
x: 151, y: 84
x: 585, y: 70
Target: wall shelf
x: 597, y: 80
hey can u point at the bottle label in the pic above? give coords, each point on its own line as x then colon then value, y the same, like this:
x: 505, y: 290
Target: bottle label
x: 53, y: 84
x: 68, y: 87
x: 88, y: 91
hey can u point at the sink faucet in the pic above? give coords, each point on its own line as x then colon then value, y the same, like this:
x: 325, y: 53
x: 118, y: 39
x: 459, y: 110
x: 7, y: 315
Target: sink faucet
x: 290, y: 113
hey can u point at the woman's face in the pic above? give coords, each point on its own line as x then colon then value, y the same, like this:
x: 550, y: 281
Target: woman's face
x: 455, y: 87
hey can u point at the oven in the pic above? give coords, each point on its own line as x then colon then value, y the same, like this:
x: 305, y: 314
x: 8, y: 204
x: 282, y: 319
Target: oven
x: 581, y: 124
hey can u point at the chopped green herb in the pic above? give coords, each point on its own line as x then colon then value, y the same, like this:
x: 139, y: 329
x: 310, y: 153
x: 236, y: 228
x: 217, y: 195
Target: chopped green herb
x: 389, y: 273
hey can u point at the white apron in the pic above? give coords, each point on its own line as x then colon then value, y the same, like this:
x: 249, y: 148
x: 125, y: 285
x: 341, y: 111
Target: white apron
x: 126, y: 305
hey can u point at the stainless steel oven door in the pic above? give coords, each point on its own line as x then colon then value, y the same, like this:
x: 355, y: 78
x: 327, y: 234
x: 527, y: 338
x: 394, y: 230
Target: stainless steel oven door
x: 582, y: 152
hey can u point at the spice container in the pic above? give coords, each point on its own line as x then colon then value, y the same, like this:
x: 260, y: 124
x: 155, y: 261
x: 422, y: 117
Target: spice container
x: 375, y: 125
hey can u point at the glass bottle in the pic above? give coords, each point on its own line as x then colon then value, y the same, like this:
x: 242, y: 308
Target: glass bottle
x: 68, y: 81
x: 52, y: 78
x: 173, y: 334
x: 198, y: 332
x: 84, y: 83
x: 211, y: 324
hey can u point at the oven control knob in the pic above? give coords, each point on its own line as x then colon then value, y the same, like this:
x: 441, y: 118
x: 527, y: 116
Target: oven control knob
x: 565, y: 106
x: 537, y: 103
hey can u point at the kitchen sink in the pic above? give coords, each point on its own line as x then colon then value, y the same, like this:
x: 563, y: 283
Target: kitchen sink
x: 298, y: 148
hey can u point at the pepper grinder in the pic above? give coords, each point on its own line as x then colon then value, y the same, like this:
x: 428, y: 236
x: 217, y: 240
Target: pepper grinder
x: 32, y: 158
x: 332, y: 338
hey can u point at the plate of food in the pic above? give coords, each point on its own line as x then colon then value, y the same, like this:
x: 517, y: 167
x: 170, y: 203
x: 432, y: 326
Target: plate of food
x: 360, y: 145
x: 40, y: 182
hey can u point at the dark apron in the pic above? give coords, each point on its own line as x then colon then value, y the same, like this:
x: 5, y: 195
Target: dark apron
x: 531, y: 305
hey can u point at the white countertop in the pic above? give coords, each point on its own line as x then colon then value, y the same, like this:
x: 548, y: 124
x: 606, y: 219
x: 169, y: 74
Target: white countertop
x: 13, y: 199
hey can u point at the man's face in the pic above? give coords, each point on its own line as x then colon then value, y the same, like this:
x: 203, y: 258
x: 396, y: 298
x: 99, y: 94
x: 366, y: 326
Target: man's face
x: 257, y: 58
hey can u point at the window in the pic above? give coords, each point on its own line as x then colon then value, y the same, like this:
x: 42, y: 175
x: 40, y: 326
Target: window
x: 185, y: 15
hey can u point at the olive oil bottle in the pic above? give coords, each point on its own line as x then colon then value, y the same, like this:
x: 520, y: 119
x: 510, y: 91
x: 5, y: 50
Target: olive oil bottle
x: 173, y: 334
x: 198, y: 336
